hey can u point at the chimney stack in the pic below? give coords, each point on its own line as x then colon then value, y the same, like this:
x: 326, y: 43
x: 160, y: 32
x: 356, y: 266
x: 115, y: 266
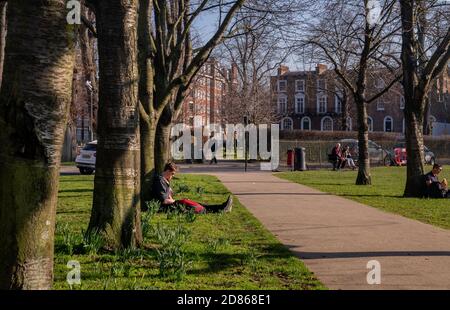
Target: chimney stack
x: 283, y: 69
x: 321, y: 68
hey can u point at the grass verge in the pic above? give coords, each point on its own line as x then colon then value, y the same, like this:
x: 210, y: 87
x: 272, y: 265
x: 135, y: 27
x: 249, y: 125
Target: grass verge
x: 182, y: 251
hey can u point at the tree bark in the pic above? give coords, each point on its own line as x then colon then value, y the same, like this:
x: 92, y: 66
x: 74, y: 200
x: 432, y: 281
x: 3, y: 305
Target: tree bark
x: 364, y: 177
x: 116, y: 205
x: 34, y: 104
x: 415, y: 151
x: 148, y: 133
x: 3, y: 28
x: 148, y: 115
x: 414, y: 101
x: 162, y: 140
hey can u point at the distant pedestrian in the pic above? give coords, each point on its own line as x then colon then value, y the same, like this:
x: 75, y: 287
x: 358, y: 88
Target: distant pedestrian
x: 213, y: 142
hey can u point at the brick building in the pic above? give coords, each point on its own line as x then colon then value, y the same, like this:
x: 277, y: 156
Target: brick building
x: 315, y: 100
x: 206, y: 94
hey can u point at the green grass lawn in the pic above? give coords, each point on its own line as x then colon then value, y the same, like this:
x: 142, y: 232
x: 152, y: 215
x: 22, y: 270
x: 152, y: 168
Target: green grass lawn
x: 213, y: 251
x: 385, y: 192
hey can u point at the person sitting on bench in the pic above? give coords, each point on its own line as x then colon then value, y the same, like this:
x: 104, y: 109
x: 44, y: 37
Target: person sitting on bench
x: 336, y: 157
x: 162, y: 192
x: 434, y: 187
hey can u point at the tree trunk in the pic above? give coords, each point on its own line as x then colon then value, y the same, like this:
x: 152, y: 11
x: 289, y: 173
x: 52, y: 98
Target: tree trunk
x: 116, y: 204
x: 34, y: 105
x: 87, y: 47
x: 148, y: 133
x: 2, y: 36
x: 162, y: 140
x: 414, y: 148
x: 364, y: 177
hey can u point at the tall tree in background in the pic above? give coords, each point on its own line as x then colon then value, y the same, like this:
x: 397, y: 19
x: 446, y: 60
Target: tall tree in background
x: 116, y: 204
x: 34, y: 102
x: 168, y: 64
x: 253, y: 56
x: 422, y: 64
x: 3, y: 5
x: 359, y: 45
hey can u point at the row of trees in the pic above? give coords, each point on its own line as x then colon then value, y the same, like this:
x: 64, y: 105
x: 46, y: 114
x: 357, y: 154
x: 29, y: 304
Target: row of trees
x: 147, y: 61
x: 400, y: 41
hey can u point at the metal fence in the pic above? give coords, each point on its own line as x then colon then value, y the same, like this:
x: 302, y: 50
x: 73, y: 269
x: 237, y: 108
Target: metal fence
x: 317, y: 151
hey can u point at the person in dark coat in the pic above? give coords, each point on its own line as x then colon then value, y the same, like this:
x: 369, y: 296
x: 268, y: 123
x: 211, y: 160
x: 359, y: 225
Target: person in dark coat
x: 336, y: 157
x: 434, y: 187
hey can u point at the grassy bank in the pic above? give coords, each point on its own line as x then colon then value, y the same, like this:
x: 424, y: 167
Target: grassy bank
x: 182, y: 251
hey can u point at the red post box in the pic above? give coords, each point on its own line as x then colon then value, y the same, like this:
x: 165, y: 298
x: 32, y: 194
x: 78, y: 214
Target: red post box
x: 290, y: 159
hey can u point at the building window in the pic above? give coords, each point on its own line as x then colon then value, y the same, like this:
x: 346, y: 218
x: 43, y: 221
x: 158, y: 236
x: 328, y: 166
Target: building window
x: 287, y: 123
x: 191, y: 106
x: 349, y: 125
x: 321, y: 104
x: 370, y: 123
x: 388, y: 124
x: 299, y: 103
x: 300, y: 86
x: 403, y: 126
x: 282, y: 104
x: 282, y: 85
x: 326, y: 124
x: 321, y: 85
x: 402, y: 102
x: 380, y: 104
x: 306, y: 123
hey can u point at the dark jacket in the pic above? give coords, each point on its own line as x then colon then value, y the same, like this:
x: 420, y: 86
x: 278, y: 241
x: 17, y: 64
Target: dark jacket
x: 161, y: 189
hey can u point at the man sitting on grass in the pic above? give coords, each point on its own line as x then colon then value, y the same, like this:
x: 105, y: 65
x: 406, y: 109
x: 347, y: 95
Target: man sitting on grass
x: 434, y: 187
x: 162, y: 192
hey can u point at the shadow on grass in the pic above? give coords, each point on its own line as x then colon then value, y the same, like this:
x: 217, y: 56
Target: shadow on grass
x: 79, y: 190
x: 374, y: 195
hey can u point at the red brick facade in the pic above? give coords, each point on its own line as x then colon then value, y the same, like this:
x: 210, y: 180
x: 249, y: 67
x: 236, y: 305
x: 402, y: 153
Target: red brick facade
x: 206, y: 94
x: 310, y: 100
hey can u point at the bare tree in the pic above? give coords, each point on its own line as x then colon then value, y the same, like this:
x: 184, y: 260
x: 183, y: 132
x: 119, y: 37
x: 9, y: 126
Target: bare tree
x: 116, y: 204
x: 424, y: 55
x: 253, y: 56
x: 168, y: 64
x: 34, y: 102
x: 358, y: 44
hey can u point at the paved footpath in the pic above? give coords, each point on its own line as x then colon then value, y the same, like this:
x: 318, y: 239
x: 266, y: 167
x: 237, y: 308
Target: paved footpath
x: 336, y: 237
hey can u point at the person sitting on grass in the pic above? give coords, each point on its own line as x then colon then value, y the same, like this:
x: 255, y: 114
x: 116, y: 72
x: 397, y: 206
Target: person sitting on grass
x: 434, y: 187
x: 162, y: 192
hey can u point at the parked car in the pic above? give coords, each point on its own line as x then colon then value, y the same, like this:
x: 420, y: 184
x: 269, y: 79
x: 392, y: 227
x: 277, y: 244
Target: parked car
x: 429, y: 156
x: 376, y: 153
x: 85, y: 161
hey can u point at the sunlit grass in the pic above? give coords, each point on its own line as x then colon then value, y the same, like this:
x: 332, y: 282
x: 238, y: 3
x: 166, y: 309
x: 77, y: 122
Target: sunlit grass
x: 224, y: 251
x: 386, y: 191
